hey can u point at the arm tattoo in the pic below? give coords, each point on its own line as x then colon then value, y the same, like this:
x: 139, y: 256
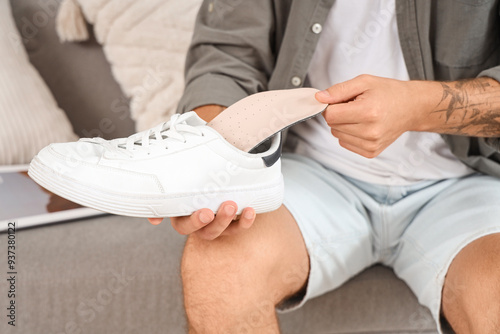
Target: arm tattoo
x: 471, y: 107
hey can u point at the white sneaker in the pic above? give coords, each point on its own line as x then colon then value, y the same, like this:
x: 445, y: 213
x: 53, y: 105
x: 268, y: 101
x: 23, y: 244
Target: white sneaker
x: 171, y: 170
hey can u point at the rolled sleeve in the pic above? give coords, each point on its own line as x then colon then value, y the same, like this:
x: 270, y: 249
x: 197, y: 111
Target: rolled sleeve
x: 200, y: 92
x: 493, y: 73
x: 231, y: 54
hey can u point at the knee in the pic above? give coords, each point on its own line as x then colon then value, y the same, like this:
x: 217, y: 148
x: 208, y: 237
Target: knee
x: 223, y: 269
x: 270, y: 259
x: 471, y: 295
x: 234, y: 282
x: 475, y: 305
x: 208, y: 261
x: 224, y: 288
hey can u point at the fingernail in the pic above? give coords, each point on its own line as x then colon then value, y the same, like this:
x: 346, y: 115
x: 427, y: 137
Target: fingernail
x: 325, y: 93
x: 249, y: 214
x: 230, y: 210
x: 205, y: 218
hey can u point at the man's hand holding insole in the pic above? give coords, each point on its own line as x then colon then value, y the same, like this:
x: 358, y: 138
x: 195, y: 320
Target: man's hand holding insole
x: 368, y: 113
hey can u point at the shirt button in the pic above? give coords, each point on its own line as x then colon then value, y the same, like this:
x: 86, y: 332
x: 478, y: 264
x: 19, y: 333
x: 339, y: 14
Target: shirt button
x: 296, y: 81
x: 316, y: 28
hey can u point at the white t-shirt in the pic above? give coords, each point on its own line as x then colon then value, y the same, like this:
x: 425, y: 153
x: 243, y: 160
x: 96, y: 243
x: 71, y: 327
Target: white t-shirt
x: 361, y: 37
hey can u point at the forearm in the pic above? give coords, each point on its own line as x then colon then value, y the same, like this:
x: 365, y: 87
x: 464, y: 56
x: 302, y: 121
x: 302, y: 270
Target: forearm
x: 467, y: 107
x: 209, y: 112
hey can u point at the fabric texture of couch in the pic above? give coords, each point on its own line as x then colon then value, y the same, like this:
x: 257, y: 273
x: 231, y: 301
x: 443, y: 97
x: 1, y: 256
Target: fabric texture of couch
x: 24, y: 132
x: 116, y: 274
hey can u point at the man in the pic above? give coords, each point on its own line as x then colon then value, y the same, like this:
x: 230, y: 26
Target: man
x: 401, y: 169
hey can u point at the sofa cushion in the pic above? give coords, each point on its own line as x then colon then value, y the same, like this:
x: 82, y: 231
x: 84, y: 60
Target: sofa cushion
x: 122, y: 275
x: 30, y: 117
x: 77, y: 74
x: 146, y: 43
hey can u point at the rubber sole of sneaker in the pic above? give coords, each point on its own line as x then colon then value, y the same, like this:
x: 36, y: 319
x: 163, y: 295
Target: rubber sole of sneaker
x: 261, y: 197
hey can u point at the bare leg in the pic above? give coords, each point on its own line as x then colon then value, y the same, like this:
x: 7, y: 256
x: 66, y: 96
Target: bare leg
x: 471, y: 293
x: 232, y: 284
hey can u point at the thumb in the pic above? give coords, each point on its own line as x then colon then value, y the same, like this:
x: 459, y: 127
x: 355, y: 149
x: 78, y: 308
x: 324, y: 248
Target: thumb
x: 155, y: 221
x: 342, y: 92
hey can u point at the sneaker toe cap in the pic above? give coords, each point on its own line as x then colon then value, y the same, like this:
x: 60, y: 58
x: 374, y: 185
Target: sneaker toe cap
x: 72, y: 152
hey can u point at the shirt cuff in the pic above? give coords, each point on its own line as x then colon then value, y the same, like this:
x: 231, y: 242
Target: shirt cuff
x: 210, y: 89
x: 491, y: 142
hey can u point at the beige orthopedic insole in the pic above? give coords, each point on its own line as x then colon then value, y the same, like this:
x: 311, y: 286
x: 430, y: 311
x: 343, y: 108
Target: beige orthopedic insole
x: 250, y: 121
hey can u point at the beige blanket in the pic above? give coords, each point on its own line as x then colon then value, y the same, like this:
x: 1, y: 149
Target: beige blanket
x: 145, y: 42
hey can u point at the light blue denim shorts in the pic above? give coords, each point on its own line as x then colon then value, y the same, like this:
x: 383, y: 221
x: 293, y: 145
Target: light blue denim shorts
x: 349, y: 225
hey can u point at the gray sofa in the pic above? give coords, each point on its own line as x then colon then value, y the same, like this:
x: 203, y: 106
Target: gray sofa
x: 117, y: 274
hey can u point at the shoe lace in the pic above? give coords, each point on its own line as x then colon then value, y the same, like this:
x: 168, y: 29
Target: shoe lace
x: 159, y: 135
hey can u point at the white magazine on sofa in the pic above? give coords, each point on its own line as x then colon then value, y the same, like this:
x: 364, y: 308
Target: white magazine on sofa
x: 23, y: 201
